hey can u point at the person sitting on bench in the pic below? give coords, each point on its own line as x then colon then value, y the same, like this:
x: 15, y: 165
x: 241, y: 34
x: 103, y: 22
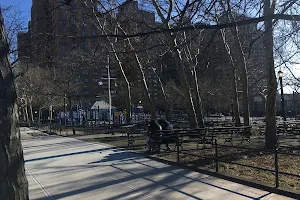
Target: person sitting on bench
x: 152, y: 128
x: 165, y: 126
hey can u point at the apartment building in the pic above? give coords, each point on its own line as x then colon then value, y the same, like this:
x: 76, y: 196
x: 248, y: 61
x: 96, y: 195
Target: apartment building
x: 60, y: 36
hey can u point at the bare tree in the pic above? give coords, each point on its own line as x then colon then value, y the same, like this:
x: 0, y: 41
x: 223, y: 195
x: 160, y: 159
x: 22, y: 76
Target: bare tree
x: 12, y: 178
x: 271, y: 78
x: 236, y: 110
x: 177, y: 53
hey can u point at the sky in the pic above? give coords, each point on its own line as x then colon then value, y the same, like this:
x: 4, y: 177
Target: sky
x: 24, y: 5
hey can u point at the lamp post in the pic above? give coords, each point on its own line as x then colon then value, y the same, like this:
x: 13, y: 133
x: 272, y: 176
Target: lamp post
x: 280, y: 75
x: 109, y: 87
x: 232, y: 112
x: 65, y: 110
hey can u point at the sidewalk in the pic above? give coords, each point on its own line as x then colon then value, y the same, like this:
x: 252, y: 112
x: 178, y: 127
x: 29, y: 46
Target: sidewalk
x: 66, y: 168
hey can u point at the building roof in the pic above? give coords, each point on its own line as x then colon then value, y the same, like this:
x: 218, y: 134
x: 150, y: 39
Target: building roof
x: 101, y: 105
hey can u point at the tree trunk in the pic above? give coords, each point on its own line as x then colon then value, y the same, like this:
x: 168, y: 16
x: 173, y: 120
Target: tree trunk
x: 167, y: 109
x: 13, y: 182
x: 39, y: 119
x: 128, y: 89
x: 26, y: 113
x: 171, y: 39
x: 198, y: 100
x: 235, y: 100
x: 270, y: 135
x: 31, y: 111
x: 128, y: 103
x: 183, y: 81
x: 144, y: 82
x: 241, y: 58
x: 71, y: 113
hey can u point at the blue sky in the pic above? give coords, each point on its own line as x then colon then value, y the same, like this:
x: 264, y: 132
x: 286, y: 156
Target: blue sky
x: 23, y: 5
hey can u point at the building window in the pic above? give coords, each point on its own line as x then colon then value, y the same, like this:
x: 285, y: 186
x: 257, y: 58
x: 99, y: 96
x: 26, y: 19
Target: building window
x: 83, y: 46
x: 85, y: 73
x: 73, y: 30
x: 77, y: 74
x: 85, y: 87
x: 63, y: 21
x: 76, y: 80
x: 83, y: 40
x: 64, y: 28
x: 63, y: 43
x: 96, y: 80
x: 86, y: 80
x: 63, y: 52
x: 86, y: 93
x: 76, y: 94
x: 73, y: 4
x: 73, y: 19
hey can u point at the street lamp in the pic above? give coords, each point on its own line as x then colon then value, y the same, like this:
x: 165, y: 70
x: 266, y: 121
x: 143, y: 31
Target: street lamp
x: 109, y: 87
x: 280, y: 75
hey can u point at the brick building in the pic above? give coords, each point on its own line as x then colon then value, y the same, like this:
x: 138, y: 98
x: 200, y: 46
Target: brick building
x: 59, y: 37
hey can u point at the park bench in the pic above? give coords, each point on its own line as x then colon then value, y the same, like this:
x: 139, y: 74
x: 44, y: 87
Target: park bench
x: 200, y: 136
x: 132, y: 135
x: 227, y: 133
x: 262, y: 129
x: 110, y: 131
x: 130, y: 139
x: 288, y: 129
x: 164, y: 137
x: 295, y: 131
x: 179, y: 137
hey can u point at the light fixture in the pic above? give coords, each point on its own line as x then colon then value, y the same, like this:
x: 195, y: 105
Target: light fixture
x: 280, y: 74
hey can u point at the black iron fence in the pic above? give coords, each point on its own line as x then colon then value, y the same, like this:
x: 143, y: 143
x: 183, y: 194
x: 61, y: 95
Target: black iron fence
x: 216, y: 157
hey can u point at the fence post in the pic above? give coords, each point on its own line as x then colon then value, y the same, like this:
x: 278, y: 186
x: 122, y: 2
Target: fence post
x: 177, y: 144
x: 216, y: 156
x: 276, y: 167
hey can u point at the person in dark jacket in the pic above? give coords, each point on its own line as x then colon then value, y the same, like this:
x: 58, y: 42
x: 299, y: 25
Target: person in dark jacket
x: 165, y: 126
x: 152, y: 128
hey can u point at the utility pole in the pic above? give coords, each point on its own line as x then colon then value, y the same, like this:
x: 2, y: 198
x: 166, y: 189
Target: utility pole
x: 71, y: 113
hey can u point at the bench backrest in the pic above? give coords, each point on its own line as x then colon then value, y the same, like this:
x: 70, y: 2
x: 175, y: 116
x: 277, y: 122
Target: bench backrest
x: 238, y: 130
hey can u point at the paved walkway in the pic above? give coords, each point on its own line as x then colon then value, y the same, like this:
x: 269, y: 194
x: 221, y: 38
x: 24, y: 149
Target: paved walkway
x: 66, y: 168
